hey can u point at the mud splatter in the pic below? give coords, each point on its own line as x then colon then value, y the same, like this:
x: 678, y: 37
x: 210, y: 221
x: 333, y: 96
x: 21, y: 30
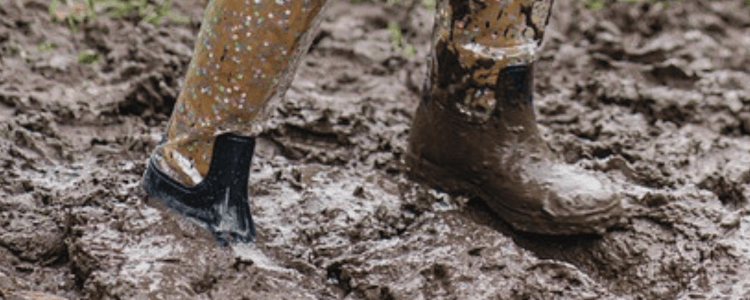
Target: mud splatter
x: 655, y: 95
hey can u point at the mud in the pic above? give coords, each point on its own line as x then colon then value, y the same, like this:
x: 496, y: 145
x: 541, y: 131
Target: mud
x: 654, y: 95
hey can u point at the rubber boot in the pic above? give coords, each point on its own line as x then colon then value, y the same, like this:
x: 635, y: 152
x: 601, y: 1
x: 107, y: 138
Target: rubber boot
x: 219, y: 203
x: 245, y: 56
x: 475, y: 130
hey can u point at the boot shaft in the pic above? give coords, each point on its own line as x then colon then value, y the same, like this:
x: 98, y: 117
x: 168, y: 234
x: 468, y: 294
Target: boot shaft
x: 231, y: 159
x: 483, y: 56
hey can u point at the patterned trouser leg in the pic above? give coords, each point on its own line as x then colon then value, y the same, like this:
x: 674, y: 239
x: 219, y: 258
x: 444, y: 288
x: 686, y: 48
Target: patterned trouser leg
x: 245, y: 55
x: 473, y: 41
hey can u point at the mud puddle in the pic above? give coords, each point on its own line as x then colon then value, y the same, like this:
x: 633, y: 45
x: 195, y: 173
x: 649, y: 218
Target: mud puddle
x: 655, y: 95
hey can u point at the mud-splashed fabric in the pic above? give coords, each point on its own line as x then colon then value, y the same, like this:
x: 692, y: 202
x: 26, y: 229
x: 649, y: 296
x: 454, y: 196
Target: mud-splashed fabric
x: 245, y: 55
x: 473, y: 41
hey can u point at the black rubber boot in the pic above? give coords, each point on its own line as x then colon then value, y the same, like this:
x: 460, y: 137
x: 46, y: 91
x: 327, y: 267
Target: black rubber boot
x: 219, y: 202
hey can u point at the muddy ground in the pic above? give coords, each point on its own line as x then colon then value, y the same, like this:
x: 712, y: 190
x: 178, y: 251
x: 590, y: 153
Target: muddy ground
x: 654, y: 95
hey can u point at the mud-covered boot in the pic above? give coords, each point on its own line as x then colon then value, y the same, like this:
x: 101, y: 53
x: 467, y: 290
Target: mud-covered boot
x: 219, y: 203
x: 475, y: 130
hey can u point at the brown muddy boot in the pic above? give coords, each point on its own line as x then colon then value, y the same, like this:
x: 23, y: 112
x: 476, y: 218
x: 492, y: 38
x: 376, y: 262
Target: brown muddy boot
x: 476, y: 132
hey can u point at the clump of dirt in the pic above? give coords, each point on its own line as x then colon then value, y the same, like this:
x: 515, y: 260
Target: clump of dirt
x: 653, y: 94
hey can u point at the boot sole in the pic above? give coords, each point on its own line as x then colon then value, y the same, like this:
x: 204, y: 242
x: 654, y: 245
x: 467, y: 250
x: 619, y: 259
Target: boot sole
x: 593, y: 222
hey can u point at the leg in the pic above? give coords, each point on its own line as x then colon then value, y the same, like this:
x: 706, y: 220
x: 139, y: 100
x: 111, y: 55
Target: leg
x: 245, y: 55
x: 475, y: 131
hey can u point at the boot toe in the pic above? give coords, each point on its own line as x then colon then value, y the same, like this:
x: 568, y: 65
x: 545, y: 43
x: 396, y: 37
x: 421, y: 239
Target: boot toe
x: 579, y: 201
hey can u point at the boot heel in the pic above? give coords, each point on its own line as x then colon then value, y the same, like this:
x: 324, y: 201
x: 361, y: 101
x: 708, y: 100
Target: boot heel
x: 219, y: 203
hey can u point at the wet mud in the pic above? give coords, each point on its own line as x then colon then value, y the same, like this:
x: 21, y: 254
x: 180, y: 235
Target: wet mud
x: 653, y: 95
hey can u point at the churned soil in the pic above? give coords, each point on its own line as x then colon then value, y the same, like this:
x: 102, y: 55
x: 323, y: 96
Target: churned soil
x: 654, y: 95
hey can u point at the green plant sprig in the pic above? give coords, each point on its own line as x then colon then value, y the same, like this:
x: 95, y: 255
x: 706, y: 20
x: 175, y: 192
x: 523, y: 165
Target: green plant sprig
x: 77, y: 12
